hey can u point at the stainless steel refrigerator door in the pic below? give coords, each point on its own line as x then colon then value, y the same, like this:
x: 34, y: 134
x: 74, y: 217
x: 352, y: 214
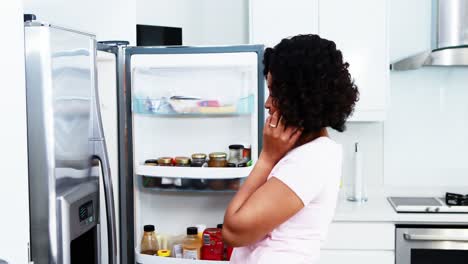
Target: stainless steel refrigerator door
x: 416, y: 245
x: 60, y: 77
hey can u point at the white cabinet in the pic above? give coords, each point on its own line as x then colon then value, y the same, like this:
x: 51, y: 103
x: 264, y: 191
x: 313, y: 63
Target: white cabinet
x: 359, y: 28
x: 363, y: 243
x: 271, y: 21
x: 356, y: 256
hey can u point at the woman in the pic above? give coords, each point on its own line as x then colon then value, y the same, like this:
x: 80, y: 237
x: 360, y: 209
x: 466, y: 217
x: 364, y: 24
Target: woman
x: 282, y: 211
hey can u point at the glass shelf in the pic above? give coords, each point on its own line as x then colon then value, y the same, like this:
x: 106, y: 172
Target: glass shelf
x: 170, y: 107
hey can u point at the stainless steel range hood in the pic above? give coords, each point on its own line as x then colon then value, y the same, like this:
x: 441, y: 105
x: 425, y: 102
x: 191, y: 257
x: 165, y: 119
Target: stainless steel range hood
x: 449, y: 38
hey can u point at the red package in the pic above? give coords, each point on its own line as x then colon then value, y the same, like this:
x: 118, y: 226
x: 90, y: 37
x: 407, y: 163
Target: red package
x: 213, y: 246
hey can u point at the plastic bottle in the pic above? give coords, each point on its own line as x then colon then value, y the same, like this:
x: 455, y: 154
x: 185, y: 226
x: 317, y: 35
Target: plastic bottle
x: 149, y: 242
x: 213, y: 246
x: 191, y: 245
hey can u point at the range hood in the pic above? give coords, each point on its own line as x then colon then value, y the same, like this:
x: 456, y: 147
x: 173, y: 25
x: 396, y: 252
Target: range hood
x: 449, y: 38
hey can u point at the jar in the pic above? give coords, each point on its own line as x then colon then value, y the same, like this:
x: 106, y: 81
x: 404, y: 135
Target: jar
x: 217, y: 159
x: 166, y: 162
x: 247, y: 153
x: 151, y: 182
x: 149, y: 243
x: 199, y: 160
x: 182, y: 183
x: 235, y: 155
x: 233, y: 184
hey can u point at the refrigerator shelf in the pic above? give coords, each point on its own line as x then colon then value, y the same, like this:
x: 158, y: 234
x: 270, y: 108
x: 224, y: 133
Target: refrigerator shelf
x: 147, y: 259
x: 189, y: 190
x: 192, y: 108
x: 193, y: 172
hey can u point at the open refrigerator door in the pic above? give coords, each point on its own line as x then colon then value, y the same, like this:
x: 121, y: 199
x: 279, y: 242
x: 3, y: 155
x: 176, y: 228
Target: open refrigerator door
x: 190, y: 126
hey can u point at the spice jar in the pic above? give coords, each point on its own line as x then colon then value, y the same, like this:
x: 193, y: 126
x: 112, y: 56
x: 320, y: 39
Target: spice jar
x: 150, y: 182
x: 235, y: 155
x: 182, y: 183
x: 167, y: 162
x: 199, y: 160
x: 217, y: 159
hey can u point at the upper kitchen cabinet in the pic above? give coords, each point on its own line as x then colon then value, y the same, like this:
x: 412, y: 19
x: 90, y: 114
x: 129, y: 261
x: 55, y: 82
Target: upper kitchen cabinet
x: 271, y: 21
x: 359, y: 29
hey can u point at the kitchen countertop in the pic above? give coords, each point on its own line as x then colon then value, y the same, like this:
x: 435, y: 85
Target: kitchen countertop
x: 378, y: 209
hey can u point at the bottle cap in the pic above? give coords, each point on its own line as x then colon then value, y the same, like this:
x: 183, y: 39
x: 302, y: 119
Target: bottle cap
x: 164, y: 253
x: 165, y: 160
x: 148, y: 228
x: 220, y: 226
x: 236, y: 146
x: 198, y: 156
x: 151, y: 162
x: 182, y: 160
x: 192, y: 230
x: 218, y: 155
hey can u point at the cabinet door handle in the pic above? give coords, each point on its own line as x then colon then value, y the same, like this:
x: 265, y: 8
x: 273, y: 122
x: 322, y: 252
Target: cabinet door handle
x: 415, y: 237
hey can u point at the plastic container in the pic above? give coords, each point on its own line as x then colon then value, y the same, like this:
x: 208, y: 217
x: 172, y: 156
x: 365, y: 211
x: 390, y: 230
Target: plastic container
x: 149, y: 243
x: 191, y: 246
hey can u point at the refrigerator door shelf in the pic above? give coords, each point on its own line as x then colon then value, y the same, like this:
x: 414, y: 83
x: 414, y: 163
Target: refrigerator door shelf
x: 193, y: 172
x: 147, y: 259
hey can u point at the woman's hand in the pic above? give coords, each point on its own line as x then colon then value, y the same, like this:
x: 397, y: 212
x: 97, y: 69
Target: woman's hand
x: 277, y: 139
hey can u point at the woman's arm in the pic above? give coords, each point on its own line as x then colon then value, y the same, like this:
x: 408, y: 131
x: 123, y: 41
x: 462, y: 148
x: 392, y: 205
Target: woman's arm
x: 260, y: 205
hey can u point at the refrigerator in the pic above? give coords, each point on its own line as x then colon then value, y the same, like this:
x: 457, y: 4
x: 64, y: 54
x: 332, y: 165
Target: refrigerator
x: 70, y: 186
x: 177, y: 101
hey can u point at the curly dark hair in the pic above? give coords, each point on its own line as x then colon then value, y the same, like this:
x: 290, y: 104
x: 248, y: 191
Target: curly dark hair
x: 311, y: 85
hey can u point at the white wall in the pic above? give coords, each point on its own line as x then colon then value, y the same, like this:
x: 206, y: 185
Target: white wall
x: 426, y: 143
x: 108, y: 19
x: 14, y: 224
x: 203, y: 22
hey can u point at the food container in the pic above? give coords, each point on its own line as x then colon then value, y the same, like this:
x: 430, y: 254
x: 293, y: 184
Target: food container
x: 151, y: 182
x: 199, y: 160
x: 166, y: 182
x: 182, y: 183
x: 217, y: 159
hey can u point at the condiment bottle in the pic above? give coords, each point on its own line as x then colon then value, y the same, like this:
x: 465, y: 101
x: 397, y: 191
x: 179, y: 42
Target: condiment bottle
x: 191, y: 245
x: 213, y: 246
x: 167, y: 162
x: 149, y: 243
x: 182, y: 183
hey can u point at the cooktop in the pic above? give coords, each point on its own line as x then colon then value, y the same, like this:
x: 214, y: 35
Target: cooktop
x: 424, y: 205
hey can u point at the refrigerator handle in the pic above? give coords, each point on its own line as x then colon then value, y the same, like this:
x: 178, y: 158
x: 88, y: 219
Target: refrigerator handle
x: 101, y: 156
